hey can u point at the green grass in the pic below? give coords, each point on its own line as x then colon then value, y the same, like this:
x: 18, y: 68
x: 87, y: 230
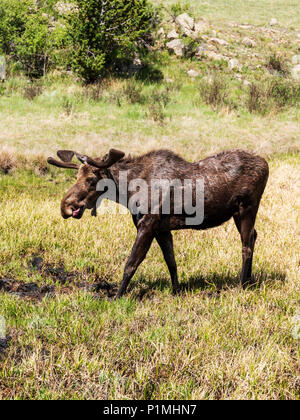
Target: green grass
x: 214, y: 340
x: 257, y: 12
x: 42, y: 126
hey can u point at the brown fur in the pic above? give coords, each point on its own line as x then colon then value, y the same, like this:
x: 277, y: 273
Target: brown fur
x: 234, y: 182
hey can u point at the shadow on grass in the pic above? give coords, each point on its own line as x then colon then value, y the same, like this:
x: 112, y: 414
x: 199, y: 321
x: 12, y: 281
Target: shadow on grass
x: 212, y: 284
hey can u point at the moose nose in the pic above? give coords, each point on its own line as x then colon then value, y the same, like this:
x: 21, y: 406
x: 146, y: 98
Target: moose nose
x: 66, y: 211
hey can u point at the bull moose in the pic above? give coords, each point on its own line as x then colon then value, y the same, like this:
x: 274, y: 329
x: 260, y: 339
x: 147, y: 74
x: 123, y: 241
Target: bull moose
x: 234, y: 182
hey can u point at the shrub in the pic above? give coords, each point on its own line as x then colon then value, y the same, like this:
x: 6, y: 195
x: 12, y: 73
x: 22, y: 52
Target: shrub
x: 190, y: 46
x: 13, y: 15
x: 284, y: 92
x: 257, y: 99
x: 32, y: 90
x: 104, y: 34
x: 7, y: 161
x: 67, y: 106
x: 178, y: 8
x: 31, y: 36
x: 273, y: 95
x: 277, y: 63
x: 94, y: 92
x: 157, y: 102
x: 133, y: 92
x: 214, y: 92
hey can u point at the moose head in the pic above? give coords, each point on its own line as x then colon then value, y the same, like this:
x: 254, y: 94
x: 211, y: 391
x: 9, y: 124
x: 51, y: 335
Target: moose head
x: 83, y: 195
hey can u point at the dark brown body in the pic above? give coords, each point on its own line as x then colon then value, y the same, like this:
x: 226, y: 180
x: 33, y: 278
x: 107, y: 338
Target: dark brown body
x: 234, y: 182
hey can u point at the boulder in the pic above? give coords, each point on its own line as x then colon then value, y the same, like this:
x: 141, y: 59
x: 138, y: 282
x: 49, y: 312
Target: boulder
x: 161, y: 32
x: 201, y: 27
x: 273, y: 22
x: 296, y: 59
x: 218, y: 41
x: 215, y: 56
x: 234, y: 64
x: 177, y: 46
x: 193, y: 73
x: 173, y: 35
x: 201, y: 50
x: 248, y: 42
x: 2, y: 68
x: 295, y: 72
x: 186, y: 23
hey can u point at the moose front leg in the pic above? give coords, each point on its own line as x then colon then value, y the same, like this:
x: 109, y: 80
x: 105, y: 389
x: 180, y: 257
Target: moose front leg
x: 138, y: 253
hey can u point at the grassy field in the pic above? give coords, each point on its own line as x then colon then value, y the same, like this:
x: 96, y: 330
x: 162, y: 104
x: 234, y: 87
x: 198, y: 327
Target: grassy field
x: 66, y: 337
x: 258, y: 12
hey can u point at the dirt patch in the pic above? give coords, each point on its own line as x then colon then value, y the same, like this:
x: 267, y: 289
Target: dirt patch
x: 25, y: 290
x: 32, y: 291
x: 70, y: 281
x: 101, y: 288
x: 3, y: 344
x: 57, y: 274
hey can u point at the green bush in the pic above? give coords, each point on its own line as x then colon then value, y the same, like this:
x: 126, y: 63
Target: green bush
x: 13, y: 15
x: 106, y: 34
x: 215, y: 92
x: 178, y: 8
x: 273, y: 95
x: 31, y: 35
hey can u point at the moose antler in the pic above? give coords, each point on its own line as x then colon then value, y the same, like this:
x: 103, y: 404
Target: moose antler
x: 67, y: 155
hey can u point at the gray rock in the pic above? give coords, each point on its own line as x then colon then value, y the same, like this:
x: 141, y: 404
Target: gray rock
x: 295, y: 72
x: 2, y: 68
x: 193, y: 73
x: 201, y: 50
x: 215, y: 56
x: 248, y: 42
x: 161, y: 32
x: 273, y: 22
x: 296, y: 59
x: 218, y: 41
x: 201, y: 27
x: 234, y: 64
x: 177, y: 46
x: 173, y: 35
x: 186, y: 23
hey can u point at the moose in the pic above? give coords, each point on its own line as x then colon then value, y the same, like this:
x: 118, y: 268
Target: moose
x: 234, y: 182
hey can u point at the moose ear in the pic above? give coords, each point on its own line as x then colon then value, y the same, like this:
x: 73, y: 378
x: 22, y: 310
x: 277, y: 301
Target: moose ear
x: 65, y: 155
x: 112, y: 157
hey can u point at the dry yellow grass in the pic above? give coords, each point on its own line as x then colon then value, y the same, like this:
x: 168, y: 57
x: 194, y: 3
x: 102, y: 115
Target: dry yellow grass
x: 213, y: 341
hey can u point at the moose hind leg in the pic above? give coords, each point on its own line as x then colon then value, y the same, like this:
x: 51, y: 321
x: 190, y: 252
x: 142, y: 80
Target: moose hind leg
x: 165, y: 241
x: 245, y: 221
